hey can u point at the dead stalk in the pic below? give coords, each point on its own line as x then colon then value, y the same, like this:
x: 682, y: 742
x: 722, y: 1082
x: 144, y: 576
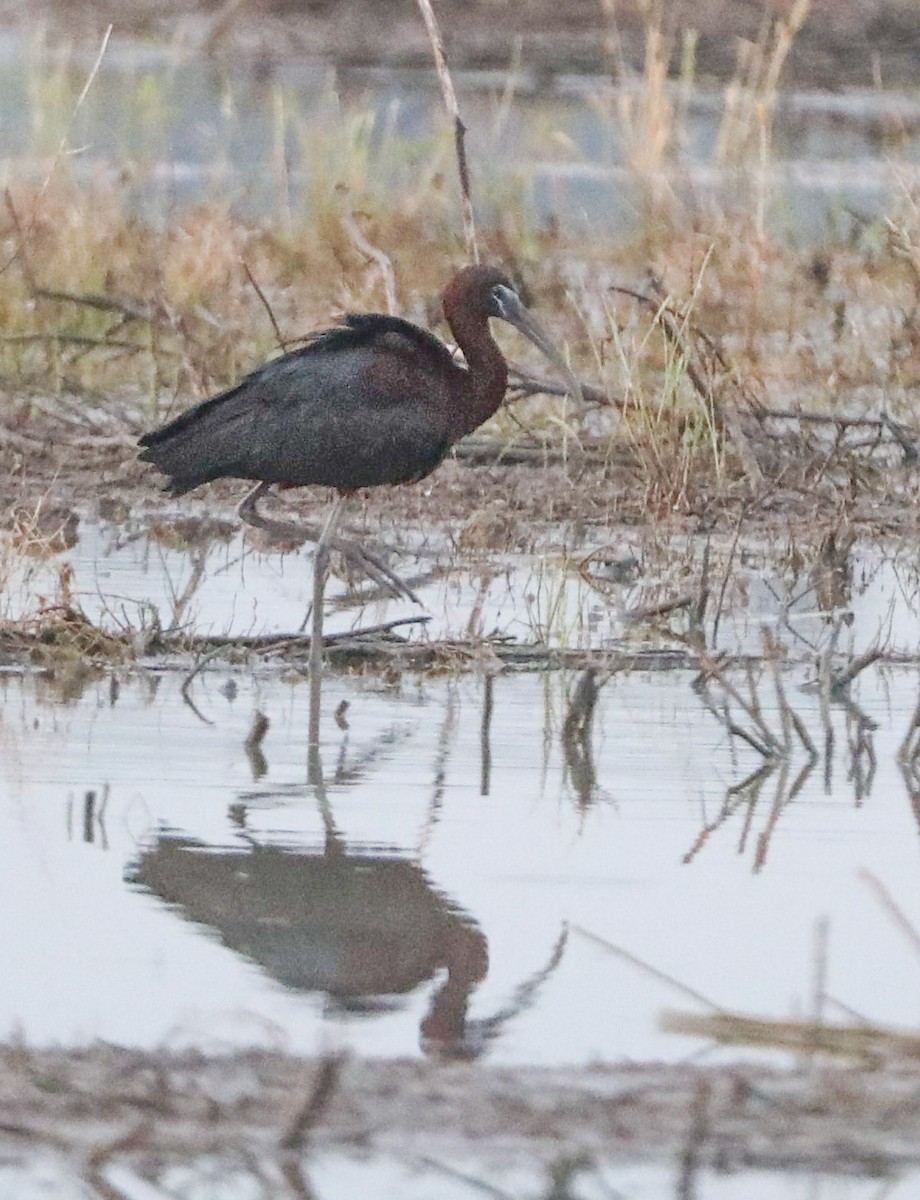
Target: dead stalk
x: 771, y: 656
x: 279, y: 338
x: 94, y: 71
x: 453, y: 110
x: 383, y: 261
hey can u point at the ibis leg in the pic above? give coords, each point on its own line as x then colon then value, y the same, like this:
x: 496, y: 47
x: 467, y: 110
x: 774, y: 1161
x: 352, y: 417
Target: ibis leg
x: 358, y: 555
x: 247, y: 510
x: 320, y: 571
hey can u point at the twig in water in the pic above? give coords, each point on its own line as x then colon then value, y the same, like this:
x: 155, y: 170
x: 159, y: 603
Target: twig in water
x: 472, y: 1181
x: 369, y: 633
x: 636, y: 961
x: 288, y: 641
x: 752, y: 673
x: 732, y: 727
x: 581, y: 709
x: 696, y: 1139
x: 840, y: 680
x: 745, y: 792
x: 892, y: 907
x: 710, y: 668
x: 576, y: 738
x: 253, y: 745
x: 803, y: 735
x: 819, y: 980
x: 909, y: 747
x: 771, y: 655
x: 825, y: 690
x: 485, y: 734
x: 327, y: 1080
x: 783, y: 797
x: 697, y: 632
x: 725, y: 578
x: 860, y: 744
x: 187, y: 681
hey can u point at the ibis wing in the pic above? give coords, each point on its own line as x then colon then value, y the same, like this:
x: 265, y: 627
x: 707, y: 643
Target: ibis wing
x: 363, y: 404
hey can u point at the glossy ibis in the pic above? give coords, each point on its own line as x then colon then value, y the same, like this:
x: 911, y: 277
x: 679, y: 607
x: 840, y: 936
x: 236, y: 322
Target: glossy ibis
x: 375, y: 400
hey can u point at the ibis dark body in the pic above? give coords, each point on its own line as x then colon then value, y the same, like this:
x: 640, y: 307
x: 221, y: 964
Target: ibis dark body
x: 375, y: 400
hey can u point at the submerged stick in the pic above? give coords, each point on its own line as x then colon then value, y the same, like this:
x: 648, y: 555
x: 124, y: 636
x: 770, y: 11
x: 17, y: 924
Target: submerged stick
x: 577, y: 722
x: 253, y: 745
x: 187, y: 682
x: 891, y: 906
x: 645, y: 966
x: 311, y: 1112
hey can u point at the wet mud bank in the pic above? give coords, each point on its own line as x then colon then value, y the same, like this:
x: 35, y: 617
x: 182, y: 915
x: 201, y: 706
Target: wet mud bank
x: 144, y: 1110
x: 843, y: 42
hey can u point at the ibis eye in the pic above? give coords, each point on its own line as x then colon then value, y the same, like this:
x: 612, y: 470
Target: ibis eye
x: 504, y: 301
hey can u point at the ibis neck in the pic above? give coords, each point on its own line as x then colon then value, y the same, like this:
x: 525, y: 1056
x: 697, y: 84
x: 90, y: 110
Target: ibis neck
x: 486, y: 377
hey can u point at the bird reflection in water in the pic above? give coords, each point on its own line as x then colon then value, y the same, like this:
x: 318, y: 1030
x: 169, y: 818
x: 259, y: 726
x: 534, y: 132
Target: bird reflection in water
x: 363, y: 928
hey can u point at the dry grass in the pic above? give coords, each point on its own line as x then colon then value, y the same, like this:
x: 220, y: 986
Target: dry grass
x: 138, y: 318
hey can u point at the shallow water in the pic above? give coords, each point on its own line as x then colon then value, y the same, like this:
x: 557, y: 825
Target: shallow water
x: 132, y: 578
x: 164, y: 886
x: 401, y: 1180
x: 460, y: 881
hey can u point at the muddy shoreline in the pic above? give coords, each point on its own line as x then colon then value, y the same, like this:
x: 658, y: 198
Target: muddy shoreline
x: 844, y: 43
x: 130, y: 1106
x: 488, y: 495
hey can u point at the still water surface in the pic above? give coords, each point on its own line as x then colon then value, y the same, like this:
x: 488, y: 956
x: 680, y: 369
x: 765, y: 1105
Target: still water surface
x: 163, y: 886
x: 392, y: 1179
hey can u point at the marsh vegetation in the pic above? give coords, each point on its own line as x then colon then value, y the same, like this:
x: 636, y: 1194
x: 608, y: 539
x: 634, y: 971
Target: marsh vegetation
x: 668, y: 643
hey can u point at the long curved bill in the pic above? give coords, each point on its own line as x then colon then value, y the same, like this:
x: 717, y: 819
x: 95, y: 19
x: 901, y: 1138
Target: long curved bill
x: 517, y: 315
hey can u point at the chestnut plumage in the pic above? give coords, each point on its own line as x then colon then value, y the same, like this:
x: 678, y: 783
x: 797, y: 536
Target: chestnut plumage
x: 375, y: 400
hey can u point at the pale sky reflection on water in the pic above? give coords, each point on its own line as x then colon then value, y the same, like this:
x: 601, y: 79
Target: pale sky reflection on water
x: 98, y: 956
